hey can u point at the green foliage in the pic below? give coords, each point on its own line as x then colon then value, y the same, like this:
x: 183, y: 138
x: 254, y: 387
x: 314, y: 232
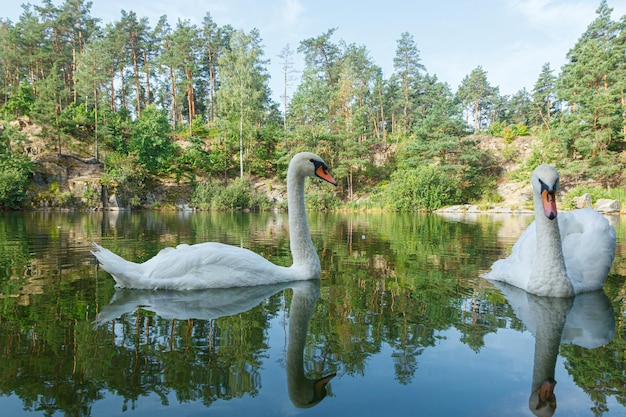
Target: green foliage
x: 470, y: 169
x: 520, y: 129
x: 19, y: 103
x: 117, y: 130
x: 596, y: 193
x: 238, y: 195
x: 75, y: 120
x: 496, y: 129
x: 193, y: 160
x: 500, y: 129
x: 544, y: 150
x: 91, y: 196
x: 126, y: 177
x: 319, y: 200
x: 149, y: 140
x: 508, y: 134
x: 200, y: 128
x: 14, y: 177
x: 15, y: 172
x: 423, y: 188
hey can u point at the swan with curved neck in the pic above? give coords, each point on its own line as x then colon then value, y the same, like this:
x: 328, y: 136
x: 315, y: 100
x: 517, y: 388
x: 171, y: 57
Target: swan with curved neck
x: 216, y: 265
x: 560, y: 254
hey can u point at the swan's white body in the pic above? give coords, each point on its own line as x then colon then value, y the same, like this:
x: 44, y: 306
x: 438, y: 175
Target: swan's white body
x: 558, y: 256
x: 216, y: 265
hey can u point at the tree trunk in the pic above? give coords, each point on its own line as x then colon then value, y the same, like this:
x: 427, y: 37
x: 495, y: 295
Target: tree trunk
x: 174, y: 105
x: 137, y: 87
x: 148, y: 98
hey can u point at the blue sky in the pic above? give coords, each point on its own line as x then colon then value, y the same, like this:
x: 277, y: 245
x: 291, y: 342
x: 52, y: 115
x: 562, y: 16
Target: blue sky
x: 510, y: 39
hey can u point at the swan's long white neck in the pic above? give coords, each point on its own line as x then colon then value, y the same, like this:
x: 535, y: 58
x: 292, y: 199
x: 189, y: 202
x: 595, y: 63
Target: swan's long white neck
x: 302, y: 249
x: 549, y: 276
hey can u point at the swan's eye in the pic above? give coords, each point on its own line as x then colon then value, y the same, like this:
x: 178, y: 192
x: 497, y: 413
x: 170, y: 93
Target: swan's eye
x: 545, y: 187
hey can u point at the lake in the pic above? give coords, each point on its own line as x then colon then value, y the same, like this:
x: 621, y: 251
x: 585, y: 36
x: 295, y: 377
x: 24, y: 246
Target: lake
x: 401, y: 323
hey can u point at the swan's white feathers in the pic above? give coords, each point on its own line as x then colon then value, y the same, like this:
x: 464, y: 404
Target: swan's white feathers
x: 190, y: 267
x: 216, y: 265
x: 580, y: 230
x: 587, y: 248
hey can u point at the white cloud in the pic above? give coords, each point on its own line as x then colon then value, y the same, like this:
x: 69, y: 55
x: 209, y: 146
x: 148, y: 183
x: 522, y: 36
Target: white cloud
x: 291, y: 12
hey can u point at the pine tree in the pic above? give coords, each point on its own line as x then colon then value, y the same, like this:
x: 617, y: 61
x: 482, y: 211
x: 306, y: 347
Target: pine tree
x: 543, y: 95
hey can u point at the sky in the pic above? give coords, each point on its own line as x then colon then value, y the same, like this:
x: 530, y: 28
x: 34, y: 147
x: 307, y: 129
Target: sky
x: 510, y: 39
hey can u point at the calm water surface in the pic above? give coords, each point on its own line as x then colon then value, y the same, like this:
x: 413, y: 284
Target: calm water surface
x: 400, y: 324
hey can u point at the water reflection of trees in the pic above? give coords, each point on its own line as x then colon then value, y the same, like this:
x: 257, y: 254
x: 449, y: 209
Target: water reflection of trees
x: 389, y: 283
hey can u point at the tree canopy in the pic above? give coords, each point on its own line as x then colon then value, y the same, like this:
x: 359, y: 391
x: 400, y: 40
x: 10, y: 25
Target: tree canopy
x: 81, y: 79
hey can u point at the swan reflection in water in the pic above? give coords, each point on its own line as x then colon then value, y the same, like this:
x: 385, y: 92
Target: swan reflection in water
x: 586, y: 320
x: 215, y: 303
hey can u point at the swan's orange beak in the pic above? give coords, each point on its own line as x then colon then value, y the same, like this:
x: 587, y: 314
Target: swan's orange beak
x: 322, y: 172
x: 549, y: 204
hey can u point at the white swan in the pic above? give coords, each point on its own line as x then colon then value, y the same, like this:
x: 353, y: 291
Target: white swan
x: 558, y: 256
x: 211, y: 304
x: 216, y: 265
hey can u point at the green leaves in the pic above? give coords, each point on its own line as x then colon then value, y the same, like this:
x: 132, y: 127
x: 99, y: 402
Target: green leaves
x: 423, y: 188
x: 15, y: 172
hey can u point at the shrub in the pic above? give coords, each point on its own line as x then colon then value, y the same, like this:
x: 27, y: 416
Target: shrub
x: 508, y: 134
x: 496, y: 129
x: 149, y: 140
x: 15, y: 172
x: 91, y: 196
x: 321, y: 200
x: 13, y: 183
x: 126, y: 178
x: 423, y: 188
x: 238, y: 195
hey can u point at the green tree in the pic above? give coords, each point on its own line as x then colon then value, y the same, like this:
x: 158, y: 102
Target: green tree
x: 187, y: 45
x: 590, y: 85
x: 244, y: 92
x: 47, y: 107
x: 544, y: 95
x: 407, y: 65
x: 20, y: 103
x: 216, y: 42
x: 149, y: 140
x: 477, y: 97
x: 92, y: 79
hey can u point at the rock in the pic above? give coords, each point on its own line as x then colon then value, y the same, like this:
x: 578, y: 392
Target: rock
x: 582, y: 201
x: 113, y: 204
x: 52, y: 172
x: 605, y: 205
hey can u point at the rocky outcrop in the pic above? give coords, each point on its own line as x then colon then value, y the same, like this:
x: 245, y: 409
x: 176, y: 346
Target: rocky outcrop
x: 582, y: 201
x: 605, y: 205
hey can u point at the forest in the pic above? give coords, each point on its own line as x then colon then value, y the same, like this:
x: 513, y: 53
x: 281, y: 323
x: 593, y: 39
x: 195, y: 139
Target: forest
x: 191, y: 104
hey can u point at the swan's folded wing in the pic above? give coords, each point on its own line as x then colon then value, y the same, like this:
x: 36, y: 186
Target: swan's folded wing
x: 588, y: 247
x: 207, y: 265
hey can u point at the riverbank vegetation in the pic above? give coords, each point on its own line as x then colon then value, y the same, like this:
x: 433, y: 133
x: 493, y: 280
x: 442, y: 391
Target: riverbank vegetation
x: 163, y: 103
